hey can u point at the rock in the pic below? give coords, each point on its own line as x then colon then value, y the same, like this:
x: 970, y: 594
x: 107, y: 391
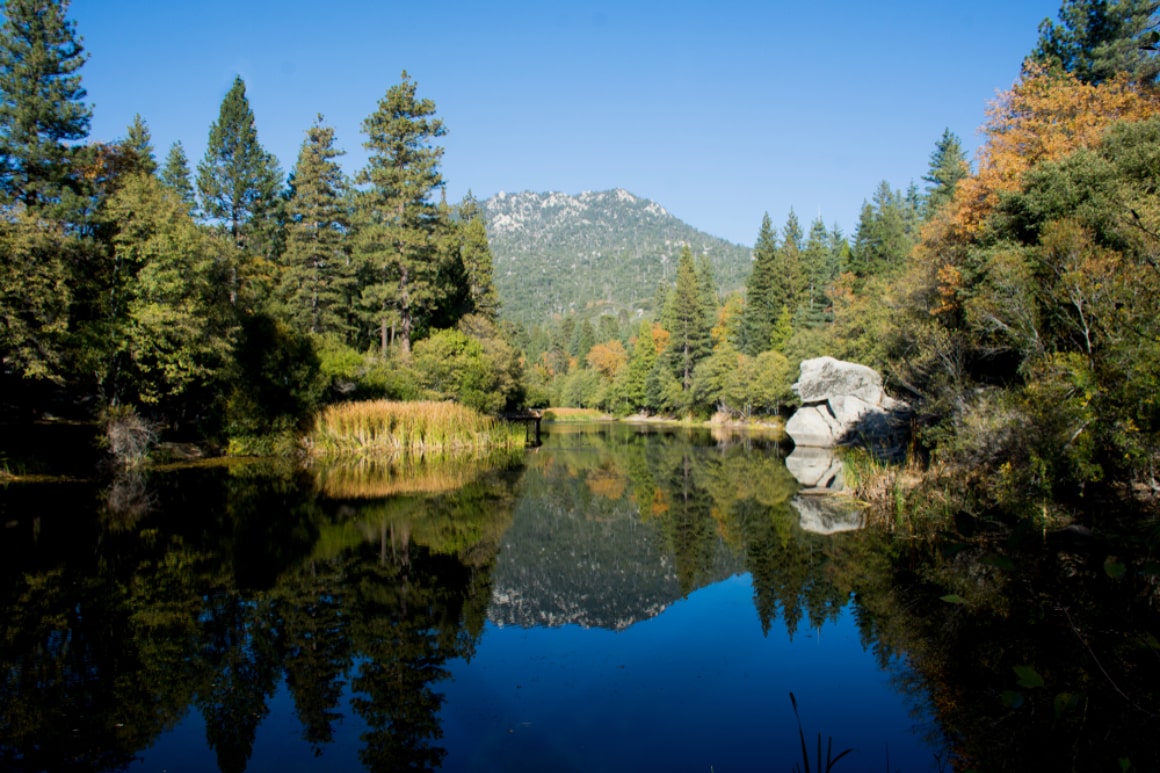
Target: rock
x: 812, y: 425
x: 842, y: 403
x: 823, y: 378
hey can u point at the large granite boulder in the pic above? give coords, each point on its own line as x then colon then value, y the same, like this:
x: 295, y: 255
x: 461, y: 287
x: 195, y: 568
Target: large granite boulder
x: 843, y: 403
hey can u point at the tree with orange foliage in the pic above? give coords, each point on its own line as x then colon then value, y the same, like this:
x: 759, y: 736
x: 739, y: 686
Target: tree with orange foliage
x: 608, y: 358
x: 1044, y: 117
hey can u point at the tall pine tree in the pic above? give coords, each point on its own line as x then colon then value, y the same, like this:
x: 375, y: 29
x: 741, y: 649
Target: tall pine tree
x: 819, y: 270
x: 317, y: 280
x: 402, y: 228
x: 42, y: 113
x: 789, y: 277
x: 237, y: 179
x: 688, y: 323
x: 478, y: 263
x: 761, y: 305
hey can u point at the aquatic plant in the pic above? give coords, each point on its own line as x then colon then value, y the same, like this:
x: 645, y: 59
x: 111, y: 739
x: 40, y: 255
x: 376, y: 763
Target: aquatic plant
x: 830, y: 759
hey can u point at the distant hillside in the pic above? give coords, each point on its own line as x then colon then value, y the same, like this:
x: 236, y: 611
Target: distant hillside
x: 556, y: 253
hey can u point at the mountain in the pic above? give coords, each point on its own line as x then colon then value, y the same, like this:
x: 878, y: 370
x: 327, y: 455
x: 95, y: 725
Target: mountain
x: 609, y: 250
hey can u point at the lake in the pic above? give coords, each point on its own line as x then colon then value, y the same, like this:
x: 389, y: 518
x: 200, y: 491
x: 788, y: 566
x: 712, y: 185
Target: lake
x: 620, y: 598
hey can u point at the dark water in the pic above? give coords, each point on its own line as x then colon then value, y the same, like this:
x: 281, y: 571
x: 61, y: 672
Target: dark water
x: 618, y: 599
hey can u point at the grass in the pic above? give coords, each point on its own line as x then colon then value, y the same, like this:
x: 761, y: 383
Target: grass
x: 382, y: 428
x: 570, y: 415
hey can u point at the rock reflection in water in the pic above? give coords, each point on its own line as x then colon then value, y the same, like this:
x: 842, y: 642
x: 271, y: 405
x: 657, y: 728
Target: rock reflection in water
x: 821, y: 475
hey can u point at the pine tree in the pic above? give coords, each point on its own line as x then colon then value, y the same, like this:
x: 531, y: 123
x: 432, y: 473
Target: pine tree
x: 1096, y: 39
x: 707, y: 285
x: 175, y: 176
x: 583, y: 339
x: 948, y: 165
x: 317, y: 281
x: 686, y: 320
x: 789, y: 281
x: 632, y: 387
x: 885, y: 234
x: 818, y: 270
x: 478, y: 264
x: 41, y: 107
x: 138, y: 146
x: 237, y: 179
x: 760, y: 304
x: 401, y: 227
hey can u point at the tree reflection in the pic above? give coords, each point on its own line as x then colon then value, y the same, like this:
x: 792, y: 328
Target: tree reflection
x: 1032, y: 653
x: 224, y: 586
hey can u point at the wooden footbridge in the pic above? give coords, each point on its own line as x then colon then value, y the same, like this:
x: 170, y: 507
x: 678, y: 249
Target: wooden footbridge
x: 528, y: 419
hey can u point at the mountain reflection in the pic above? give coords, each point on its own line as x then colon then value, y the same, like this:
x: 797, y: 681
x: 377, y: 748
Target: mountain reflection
x: 207, y: 588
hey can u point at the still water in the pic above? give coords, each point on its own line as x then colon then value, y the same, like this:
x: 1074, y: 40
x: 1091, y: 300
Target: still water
x: 618, y: 599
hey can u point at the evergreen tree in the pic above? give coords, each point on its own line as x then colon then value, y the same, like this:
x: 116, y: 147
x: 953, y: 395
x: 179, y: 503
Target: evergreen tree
x: 478, y: 264
x: 317, y: 280
x: 401, y: 226
x: 583, y: 339
x: 707, y: 284
x: 633, y: 385
x: 761, y: 304
x: 1096, y: 39
x: 789, y: 279
x: 41, y: 107
x: 818, y: 270
x: 686, y: 320
x: 237, y: 179
x: 948, y: 165
x: 885, y: 234
x: 175, y: 176
x: 138, y: 146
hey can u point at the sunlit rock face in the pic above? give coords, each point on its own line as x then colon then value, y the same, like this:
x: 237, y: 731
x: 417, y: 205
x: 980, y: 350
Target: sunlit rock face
x: 842, y: 403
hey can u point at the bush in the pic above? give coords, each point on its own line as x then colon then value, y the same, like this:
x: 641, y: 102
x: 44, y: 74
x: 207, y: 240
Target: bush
x: 127, y: 436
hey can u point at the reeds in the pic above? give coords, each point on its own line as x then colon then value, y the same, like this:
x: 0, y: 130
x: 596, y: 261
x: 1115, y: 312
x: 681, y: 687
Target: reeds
x: 382, y: 428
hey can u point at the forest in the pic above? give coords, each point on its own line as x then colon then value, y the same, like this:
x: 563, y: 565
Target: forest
x: 229, y: 301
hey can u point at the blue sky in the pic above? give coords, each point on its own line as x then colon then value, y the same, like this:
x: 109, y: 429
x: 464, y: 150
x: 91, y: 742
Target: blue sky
x: 718, y: 111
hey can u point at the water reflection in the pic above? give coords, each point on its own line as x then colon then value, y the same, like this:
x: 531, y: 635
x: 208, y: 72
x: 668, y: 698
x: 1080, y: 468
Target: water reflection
x: 821, y: 475
x: 356, y: 607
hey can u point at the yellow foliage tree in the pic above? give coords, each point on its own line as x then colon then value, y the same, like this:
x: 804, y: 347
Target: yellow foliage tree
x: 608, y: 358
x: 1047, y: 115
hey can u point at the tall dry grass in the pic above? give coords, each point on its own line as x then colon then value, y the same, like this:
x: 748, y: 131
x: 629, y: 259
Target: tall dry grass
x: 382, y: 428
